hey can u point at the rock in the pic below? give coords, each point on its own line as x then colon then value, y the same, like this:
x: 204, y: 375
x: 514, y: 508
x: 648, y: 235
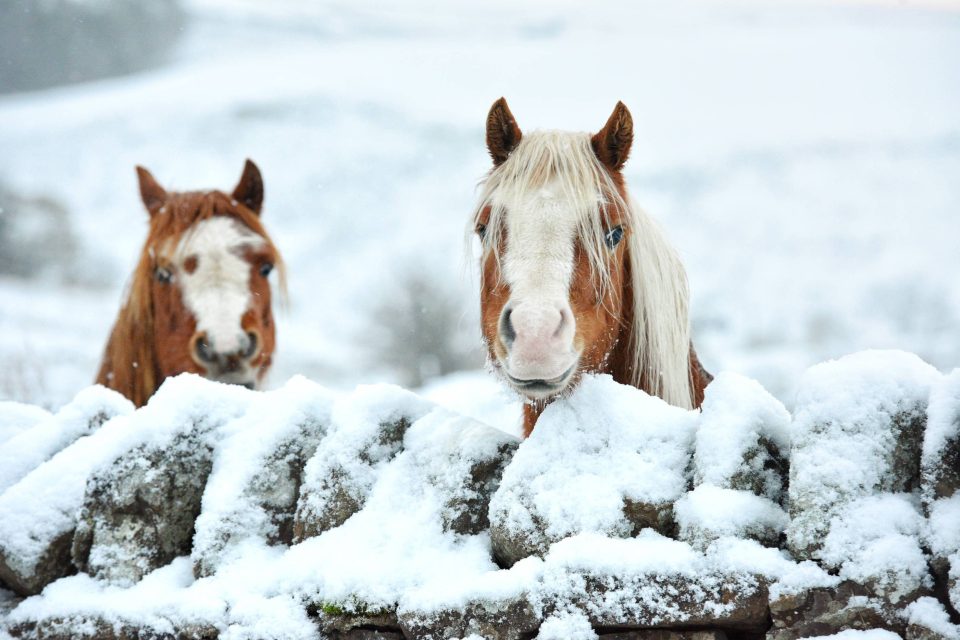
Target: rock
x: 253, y: 488
x: 358, y: 623
x: 940, y: 465
x: 650, y: 582
x: 857, y: 431
x: 928, y: 620
x: 743, y: 441
x: 826, y: 611
x: 667, y: 634
x: 708, y: 513
x: 609, y: 459
x: 875, y: 542
x: 511, y: 619
x: 38, y: 515
x: 93, y: 628
x: 86, y: 413
x: 462, y: 461
x: 366, y: 432
x: 138, y: 513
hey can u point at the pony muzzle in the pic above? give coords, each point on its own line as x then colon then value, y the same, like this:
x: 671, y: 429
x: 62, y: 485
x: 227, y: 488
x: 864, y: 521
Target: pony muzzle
x: 537, y: 339
x: 235, y: 366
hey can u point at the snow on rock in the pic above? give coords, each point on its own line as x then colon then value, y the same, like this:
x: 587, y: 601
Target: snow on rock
x: 607, y: 459
x: 367, y: 432
x: 743, y: 439
x: 139, y: 507
x: 928, y: 620
x: 47, y: 434
x: 876, y: 543
x: 38, y: 515
x: 940, y: 466
x: 857, y: 431
x: 402, y: 549
x: 567, y: 625
x: 251, y: 494
x: 166, y: 603
x: 857, y: 634
x: 709, y: 512
x: 16, y: 417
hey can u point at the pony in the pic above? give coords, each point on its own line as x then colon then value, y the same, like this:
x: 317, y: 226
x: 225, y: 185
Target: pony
x: 199, y: 299
x: 574, y: 276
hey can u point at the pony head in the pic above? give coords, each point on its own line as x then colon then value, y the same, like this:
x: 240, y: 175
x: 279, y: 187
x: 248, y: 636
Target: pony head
x: 574, y: 277
x: 199, y: 300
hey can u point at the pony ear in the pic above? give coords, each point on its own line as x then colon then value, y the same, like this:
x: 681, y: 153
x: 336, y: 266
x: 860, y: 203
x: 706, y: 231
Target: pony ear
x: 503, y: 134
x: 612, y: 143
x: 249, y: 191
x: 151, y: 192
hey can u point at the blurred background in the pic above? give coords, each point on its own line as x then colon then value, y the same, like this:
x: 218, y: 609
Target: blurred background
x: 803, y: 156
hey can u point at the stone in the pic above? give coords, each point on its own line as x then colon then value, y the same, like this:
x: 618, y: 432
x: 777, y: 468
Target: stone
x: 826, y: 611
x: 857, y: 431
x: 609, y: 460
x: 366, y: 432
x: 667, y: 634
x: 138, y: 513
x: 92, y: 628
x: 253, y: 489
x: 940, y: 464
x: 512, y: 619
x: 730, y: 602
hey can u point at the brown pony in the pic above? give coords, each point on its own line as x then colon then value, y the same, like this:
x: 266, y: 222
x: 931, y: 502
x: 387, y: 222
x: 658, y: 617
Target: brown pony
x: 199, y: 298
x: 574, y: 276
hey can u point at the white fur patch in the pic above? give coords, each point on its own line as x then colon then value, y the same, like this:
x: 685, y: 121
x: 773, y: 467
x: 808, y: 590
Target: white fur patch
x: 217, y: 293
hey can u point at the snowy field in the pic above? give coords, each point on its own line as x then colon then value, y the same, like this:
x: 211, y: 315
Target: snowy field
x: 804, y: 157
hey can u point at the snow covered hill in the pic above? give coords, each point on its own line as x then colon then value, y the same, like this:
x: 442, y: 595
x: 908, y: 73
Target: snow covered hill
x: 802, y: 156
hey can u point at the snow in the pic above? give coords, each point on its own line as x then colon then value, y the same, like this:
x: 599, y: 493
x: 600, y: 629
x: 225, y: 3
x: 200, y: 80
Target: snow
x: 927, y: 612
x: 792, y: 151
x: 856, y: 634
x: 15, y: 417
x: 250, y: 484
x: 48, y: 434
x: 44, y: 504
x: 567, y: 625
x: 855, y: 426
x: 944, y: 536
x: 943, y: 420
x: 604, y: 445
x: 877, y: 539
x: 739, y: 416
x: 411, y: 464
x: 709, y: 512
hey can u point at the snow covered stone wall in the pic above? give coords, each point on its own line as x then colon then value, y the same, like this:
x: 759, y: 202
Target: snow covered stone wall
x: 218, y: 512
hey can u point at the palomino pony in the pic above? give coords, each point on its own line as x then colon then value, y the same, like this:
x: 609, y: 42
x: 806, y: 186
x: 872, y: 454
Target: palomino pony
x: 574, y: 276
x: 199, y: 298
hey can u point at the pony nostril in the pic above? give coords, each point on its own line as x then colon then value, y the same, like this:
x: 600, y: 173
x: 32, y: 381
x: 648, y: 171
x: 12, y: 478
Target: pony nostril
x: 253, y: 345
x: 507, y: 332
x: 204, y: 349
x: 564, y: 319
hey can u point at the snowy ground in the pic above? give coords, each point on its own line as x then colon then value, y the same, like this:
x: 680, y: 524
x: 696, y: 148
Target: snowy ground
x: 804, y: 158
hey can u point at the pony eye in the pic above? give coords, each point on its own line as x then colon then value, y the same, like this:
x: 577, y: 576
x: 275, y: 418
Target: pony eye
x: 481, y: 231
x: 614, y: 236
x: 163, y: 276
x: 266, y: 268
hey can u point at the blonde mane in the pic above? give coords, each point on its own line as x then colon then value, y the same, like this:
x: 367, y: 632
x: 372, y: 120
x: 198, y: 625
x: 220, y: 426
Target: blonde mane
x: 659, y: 344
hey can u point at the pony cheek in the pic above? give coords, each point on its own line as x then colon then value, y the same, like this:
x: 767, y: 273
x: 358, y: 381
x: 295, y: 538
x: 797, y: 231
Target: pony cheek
x: 174, y: 327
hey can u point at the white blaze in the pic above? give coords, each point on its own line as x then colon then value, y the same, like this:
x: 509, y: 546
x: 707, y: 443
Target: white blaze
x: 538, y: 266
x: 217, y: 293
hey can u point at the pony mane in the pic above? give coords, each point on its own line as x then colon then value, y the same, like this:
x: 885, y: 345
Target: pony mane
x: 659, y: 346
x: 130, y: 361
